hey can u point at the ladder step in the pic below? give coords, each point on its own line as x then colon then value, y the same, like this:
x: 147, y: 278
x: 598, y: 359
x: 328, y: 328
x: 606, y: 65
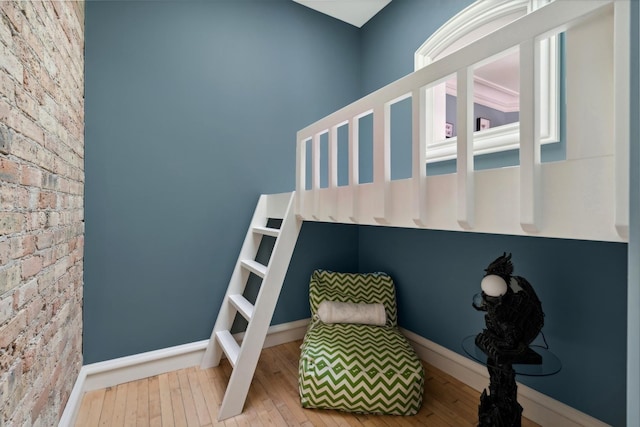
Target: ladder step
x: 267, y: 231
x: 229, y: 346
x: 254, y: 267
x: 243, y: 306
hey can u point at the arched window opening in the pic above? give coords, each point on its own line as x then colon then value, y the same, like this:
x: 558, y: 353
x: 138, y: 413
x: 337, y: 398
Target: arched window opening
x: 496, y: 83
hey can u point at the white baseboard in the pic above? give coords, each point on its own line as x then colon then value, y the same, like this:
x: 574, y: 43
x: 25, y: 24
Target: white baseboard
x: 283, y: 333
x: 537, y: 407
x: 131, y: 368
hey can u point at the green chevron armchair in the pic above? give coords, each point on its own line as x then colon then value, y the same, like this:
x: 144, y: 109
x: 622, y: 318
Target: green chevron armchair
x: 358, y: 367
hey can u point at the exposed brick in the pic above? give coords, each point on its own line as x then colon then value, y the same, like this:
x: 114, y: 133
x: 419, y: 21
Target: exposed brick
x: 27, y: 104
x: 45, y: 280
x: 4, y: 252
x: 61, y: 266
x: 5, y: 34
x: 7, y: 86
x: 5, y: 139
x: 9, y: 170
x: 45, y: 158
x: 47, y: 200
x: 48, y: 257
x: 36, y: 306
x: 10, y: 331
x: 34, y: 199
x: 44, y: 240
x: 40, y: 403
x: 12, y: 64
x: 53, y: 219
x: 9, y: 277
x: 25, y: 294
x: 28, y: 359
x: 31, y: 177
x: 11, y: 222
x: 23, y: 147
x: 47, y: 121
x: 41, y: 208
x: 60, y: 236
x: 22, y: 246
x: 49, y: 329
x: 11, y: 386
x: 19, y: 122
x: 20, y: 198
x: 36, y: 220
x: 7, y: 197
x: 6, y: 308
x: 12, y: 11
x: 61, y: 251
x: 49, y: 181
x: 31, y: 266
x: 33, y: 86
x: 33, y: 41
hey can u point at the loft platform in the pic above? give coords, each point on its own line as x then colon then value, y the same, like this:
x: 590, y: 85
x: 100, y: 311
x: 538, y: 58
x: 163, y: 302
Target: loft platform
x: 585, y: 196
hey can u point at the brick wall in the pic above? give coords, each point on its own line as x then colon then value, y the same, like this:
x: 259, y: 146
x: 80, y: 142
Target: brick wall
x: 41, y: 207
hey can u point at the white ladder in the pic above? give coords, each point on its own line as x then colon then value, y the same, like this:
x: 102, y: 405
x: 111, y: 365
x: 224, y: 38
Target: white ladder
x: 244, y: 357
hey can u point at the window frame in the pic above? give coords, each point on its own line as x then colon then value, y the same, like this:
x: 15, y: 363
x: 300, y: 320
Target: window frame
x: 467, y: 23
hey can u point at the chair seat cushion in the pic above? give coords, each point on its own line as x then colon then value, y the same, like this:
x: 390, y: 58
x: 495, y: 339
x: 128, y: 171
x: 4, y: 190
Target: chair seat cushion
x: 359, y: 368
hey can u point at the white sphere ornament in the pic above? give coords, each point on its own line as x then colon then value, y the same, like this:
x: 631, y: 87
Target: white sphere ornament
x: 493, y: 286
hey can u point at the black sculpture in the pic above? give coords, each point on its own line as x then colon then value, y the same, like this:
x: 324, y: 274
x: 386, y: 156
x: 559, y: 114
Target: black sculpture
x: 514, y: 319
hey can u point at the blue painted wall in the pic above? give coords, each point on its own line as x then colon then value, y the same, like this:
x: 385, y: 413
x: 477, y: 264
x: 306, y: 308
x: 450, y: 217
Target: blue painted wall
x: 191, y: 113
x: 391, y: 38
x: 582, y: 285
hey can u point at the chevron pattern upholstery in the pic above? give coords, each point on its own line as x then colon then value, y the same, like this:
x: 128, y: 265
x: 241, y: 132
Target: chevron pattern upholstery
x: 358, y: 368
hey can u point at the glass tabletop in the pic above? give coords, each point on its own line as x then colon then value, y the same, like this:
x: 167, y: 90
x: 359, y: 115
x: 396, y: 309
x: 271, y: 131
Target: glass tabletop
x: 550, y: 363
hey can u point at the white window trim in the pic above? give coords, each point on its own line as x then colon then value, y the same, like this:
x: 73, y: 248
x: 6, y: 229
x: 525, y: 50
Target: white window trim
x: 500, y: 138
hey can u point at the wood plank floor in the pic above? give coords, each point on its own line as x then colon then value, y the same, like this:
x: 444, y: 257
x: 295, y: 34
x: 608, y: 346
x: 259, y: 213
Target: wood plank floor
x: 191, y: 397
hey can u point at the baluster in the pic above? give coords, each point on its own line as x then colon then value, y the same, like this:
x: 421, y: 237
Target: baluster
x: 621, y: 71
x: 354, y: 171
x: 301, y: 175
x: 466, y: 183
x: 315, y: 174
x: 419, y: 147
x: 333, y: 173
x: 381, y: 163
x: 530, y: 170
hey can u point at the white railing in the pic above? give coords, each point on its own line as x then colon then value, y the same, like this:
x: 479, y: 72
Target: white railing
x: 483, y: 201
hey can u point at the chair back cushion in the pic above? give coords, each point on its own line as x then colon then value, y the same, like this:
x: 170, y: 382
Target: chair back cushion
x: 367, y: 288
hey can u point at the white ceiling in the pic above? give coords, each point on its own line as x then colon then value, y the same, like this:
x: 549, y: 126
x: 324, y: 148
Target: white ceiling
x: 354, y: 12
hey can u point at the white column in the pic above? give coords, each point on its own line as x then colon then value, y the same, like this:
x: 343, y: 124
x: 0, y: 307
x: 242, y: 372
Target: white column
x: 381, y: 160
x: 419, y: 159
x: 354, y: 170
x: 465, y: 183
x: 333, y: 174
x: 530, y: 179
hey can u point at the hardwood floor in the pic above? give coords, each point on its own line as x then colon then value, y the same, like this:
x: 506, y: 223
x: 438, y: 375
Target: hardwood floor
x: 191, y: 397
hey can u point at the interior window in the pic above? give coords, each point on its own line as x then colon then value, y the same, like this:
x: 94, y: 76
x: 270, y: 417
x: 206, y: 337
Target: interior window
x: 496, y: 82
